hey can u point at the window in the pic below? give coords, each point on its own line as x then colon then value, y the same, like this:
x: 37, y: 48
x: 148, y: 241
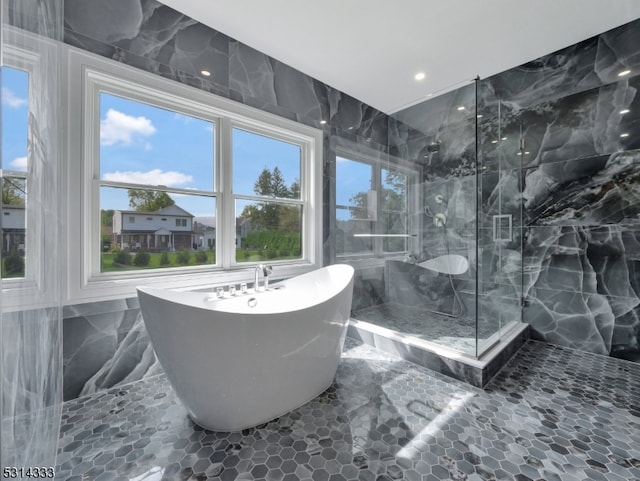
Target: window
x: 220, y: 185
x: 372, y: 207
x: 266, y: 186
x: 141, y: 147
x: 15, y: 111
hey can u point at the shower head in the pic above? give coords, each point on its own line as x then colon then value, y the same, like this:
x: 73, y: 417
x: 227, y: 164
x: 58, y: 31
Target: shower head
x: 439, y: 199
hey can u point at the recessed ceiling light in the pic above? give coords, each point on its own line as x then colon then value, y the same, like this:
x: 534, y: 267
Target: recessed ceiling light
x: 625, y: 111
x: 624, y: 72
x: 479, y: 116
x: 323, y: 122
x: 527, y: 153
x: 420, y: 76
x: 206, y: 73
x: 504, y: 138
x: 624, y: 135
x: 494, y: 141
x: 461, y: 107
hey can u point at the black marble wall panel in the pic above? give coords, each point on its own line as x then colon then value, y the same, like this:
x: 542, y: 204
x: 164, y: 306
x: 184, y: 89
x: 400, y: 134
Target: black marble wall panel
x: 581, y: 286
x: 571, y: 188
x: 582, y: 125
x: 586, y: 65
x: 105, y: 344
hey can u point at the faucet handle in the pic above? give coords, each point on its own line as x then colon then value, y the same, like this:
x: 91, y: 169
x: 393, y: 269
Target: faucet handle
x: 266, y: 270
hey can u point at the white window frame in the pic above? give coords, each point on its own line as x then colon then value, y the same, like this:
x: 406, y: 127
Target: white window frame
x: 88, y: 74
x: 377, y: 164
x: 20, y: 291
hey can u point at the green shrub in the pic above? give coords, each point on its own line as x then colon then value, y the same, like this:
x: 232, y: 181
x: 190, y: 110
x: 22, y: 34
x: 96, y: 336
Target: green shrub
x: 272, y: 254
x: 183, y: 256
x: 201, y: 257
x: 142, y: 259
x: 121, y: 258
x: 13, y: 265
x: 164, y: 259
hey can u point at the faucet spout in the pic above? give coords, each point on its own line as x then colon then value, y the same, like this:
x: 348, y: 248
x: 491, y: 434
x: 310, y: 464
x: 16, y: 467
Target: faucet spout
x: 266, y: 271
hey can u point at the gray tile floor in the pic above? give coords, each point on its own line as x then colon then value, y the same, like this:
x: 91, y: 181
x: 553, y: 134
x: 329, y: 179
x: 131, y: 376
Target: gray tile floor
x: 551, y: 414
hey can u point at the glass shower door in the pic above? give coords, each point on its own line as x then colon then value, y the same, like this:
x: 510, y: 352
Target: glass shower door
x: 499, y: 216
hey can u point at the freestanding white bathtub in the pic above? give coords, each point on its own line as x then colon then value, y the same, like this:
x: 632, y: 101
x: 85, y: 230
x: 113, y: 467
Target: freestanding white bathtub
x: 243, y: 360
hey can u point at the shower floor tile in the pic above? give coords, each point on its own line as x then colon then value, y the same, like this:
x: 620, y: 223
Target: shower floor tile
x: 457, y: 333
x: 551, y: 413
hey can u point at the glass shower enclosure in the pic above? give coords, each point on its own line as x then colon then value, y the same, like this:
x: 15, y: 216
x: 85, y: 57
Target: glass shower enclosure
x: 458, y: 281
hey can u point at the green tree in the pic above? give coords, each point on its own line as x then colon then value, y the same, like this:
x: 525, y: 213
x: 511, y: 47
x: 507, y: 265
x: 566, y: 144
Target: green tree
x: 13, y: 191
x: 273, y: 215
x: 393, y: 196
x: 394, y: 191
x: 106, y: 217
x: 148, y: 200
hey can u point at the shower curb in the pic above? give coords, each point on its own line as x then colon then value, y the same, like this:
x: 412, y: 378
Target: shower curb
x: 477, y: 372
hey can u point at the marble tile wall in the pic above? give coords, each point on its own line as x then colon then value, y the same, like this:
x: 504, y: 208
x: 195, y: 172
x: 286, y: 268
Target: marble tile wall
x: 572, y: 190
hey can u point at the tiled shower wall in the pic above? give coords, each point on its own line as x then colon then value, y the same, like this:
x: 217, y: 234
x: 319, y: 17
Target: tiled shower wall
x: 105, y: 343
x: 572, y: 190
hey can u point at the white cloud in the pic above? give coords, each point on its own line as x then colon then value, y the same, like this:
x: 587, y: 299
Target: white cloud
x: 119, y: 128
x: 11, y: 99
x: 208, y: 127
x: 152, y: 177
x: 19, y: 163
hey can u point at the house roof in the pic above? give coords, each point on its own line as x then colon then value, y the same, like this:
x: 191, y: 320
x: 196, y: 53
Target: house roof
x: 172, y: 210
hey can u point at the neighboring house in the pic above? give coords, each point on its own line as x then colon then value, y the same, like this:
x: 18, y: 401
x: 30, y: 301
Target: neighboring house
x: 167, y: 229
x: 243, y: 226
x: 13, y: 229
x: 205, y: 235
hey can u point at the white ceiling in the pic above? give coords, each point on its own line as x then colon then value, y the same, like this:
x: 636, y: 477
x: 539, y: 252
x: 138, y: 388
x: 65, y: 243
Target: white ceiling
x: 371, y: 49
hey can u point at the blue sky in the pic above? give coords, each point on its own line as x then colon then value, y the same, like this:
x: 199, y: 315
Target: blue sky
x: 143, y: 144
x: 15, y: 107
x: 148, y: 145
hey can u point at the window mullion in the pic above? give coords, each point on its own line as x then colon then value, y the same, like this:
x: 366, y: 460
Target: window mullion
x: 226, y: 208
x: 376, y: 185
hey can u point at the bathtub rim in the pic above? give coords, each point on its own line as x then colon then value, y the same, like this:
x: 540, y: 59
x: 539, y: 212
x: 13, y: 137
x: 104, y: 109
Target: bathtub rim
x: 202, y: 300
